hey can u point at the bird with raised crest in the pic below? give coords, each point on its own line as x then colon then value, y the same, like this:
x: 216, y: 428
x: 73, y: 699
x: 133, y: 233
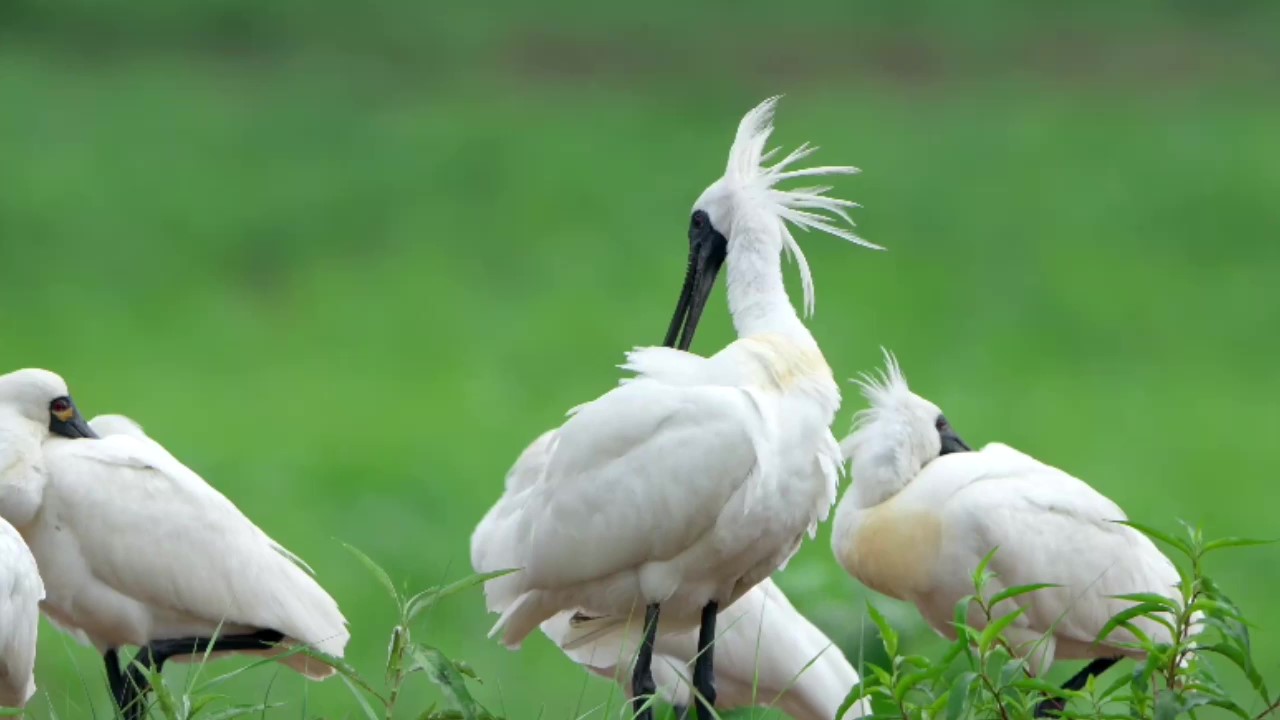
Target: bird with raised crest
x: 924, y: 510
x: 136, y: 549
x: 669, y: 497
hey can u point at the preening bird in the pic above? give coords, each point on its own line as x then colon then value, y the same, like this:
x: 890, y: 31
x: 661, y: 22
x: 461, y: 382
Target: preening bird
x: 20, y: 594
x: 924, y: 509
x: 136, y: 549
x: 670, y: 496
x: 765, y: 653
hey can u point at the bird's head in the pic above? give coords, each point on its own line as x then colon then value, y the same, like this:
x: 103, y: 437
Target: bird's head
x: 745, y: 206
x: 42, y: 397
x: 896, y: 436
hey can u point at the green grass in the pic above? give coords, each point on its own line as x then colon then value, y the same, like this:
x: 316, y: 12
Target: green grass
x: 346, y: 271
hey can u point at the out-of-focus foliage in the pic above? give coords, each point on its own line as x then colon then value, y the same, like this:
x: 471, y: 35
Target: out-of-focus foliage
x: 347, y: 260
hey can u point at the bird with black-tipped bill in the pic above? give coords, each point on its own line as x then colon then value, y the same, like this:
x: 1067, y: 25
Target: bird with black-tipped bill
x: 924, y: 509
x: 136, y: 549
x: 670, y: 496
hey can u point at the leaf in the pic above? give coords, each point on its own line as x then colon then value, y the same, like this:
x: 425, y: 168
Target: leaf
x: 1018, y: 590
x: 1158, y: 535
x: 1241, y: 660
x: 395, y: 653
x: 1167, y: 706
x: 1218, y: 609
x: 1231, y: 707
x: 1124, y: 616
x: 376, y: 570
x: 934, y: 709
x: 909, y: 683
x: 444, y: 674
x: 426, y: 599
x: 919, y: 662
x: 959, y: 693
x: 993, y: 631
x: 350, y: 682
x: 243, y: 710
x: 1150, y: 599
x: 980, y: 574
x: 1233, y: 542
x: 1032, y: 684
x: 888, y: 635
x: 858, y: 692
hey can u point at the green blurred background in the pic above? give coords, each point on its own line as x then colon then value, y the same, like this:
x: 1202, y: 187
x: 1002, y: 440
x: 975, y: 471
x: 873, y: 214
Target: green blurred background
x: 347, y: 259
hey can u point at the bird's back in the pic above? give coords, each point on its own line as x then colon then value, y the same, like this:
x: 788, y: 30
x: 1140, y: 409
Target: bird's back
x: 1045, y: 526
x: 181, y: 559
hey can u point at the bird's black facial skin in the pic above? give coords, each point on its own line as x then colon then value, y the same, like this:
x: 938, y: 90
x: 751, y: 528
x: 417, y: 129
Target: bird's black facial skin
x: 707, y: 251
x: 65, y: 420
x: 951, y: 442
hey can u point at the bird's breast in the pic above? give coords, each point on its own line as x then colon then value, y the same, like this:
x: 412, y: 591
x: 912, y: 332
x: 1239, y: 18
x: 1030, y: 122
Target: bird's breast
x: 892, y: 550
x: 785, y: 363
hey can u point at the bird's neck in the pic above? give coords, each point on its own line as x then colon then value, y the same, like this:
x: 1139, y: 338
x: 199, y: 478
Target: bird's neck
x: 758, y: 298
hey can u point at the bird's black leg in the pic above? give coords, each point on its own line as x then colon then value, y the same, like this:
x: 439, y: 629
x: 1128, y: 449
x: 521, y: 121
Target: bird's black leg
x: 642, y: 686
x: 1077, y: 682
x: 134, y: 685
x: 115, y: 679
x: 133, y: 703
x: 162, y: 650
x: 704, y: 686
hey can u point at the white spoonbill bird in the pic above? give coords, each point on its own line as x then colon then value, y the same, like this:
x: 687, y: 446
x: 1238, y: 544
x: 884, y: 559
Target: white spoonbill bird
x: 765, y: 653
x: 698, y: 478
x: 923, y: 510
x: 136, y: 549
x: 21, y: 591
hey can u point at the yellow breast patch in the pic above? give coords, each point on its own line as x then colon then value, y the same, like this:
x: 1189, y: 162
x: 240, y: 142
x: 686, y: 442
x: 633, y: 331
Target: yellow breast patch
x: 893, y: 551
x: 786, y: 362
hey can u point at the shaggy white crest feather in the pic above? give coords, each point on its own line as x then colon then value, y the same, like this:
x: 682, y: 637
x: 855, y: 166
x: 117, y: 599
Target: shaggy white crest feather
x: 805, y: 207
x: 885, y: 388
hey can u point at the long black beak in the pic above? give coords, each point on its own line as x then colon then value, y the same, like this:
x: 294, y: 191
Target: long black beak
x: 707, y: 250
x: 74, y: 427
x: 951, y: 442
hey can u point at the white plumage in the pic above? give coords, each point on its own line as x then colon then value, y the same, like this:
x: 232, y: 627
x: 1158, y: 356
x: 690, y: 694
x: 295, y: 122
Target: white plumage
x: 20, y: 594
x: 923, y: 511
x: 766, y: 653
x: 698, y: 478
x: 134, y: 547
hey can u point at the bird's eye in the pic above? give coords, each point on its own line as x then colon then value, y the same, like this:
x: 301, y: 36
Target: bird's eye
x: 60, y: 405
x: 941, y: 423
x: 699, y: 220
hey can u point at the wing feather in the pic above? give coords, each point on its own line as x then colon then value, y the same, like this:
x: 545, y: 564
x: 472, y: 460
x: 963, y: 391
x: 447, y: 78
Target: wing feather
x: 648, y: 466
x: 1050, y: 527
x: 154, y: 531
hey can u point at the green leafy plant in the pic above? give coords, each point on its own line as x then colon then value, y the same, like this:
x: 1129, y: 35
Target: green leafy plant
x: 407, y: 656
